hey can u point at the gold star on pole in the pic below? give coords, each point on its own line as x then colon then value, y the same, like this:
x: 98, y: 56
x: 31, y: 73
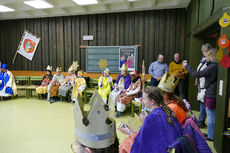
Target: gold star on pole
x: 102, y: 63
x: 75, y: 65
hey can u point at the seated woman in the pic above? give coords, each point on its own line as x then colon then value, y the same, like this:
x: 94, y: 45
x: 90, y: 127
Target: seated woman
x: 123, y: 82
x: 7, y: 83
x: 54, y: 86
x: 67, y: 84
x: 79, y: 85
x: 159, y: 130
x: 126, y: 96
x: 42, y: 89
x: 104, y: 85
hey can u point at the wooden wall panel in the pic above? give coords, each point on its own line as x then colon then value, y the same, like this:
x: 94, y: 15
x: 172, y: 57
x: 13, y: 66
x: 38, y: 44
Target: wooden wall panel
x: 160, y: 31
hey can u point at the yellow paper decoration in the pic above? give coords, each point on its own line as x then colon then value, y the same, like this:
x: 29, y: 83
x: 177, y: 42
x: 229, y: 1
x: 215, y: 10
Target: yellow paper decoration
x: 220, y: 54
x: 75, y: 65
x: 224, y: 21
x: 102, y: 64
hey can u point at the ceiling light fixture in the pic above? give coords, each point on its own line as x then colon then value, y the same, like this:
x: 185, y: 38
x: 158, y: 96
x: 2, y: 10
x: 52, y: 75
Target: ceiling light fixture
x: 5, y: 9
x: 86, y: 2
x: 39, y: 4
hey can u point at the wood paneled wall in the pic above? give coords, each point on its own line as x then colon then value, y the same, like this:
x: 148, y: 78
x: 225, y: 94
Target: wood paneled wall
x: 160, y: 31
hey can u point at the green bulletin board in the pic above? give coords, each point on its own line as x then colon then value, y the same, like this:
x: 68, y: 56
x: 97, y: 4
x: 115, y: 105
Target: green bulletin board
x: 113, y: 55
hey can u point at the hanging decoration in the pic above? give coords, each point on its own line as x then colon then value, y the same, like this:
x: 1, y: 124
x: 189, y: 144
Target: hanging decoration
x: 223, y: 41
x: 220, y: 54
x: 224, y: 21
x: 225, y: 62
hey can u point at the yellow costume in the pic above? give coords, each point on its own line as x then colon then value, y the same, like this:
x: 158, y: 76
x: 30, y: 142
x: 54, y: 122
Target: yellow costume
x: 175, y: 68
x: 79, y: 87
x: 104, y: 92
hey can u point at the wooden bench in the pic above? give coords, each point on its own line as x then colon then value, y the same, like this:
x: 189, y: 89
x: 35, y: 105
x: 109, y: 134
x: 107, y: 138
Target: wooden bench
x: 88, y: 92
x: 32, y: 86
x: 35, y: 76
x: 22, y: 82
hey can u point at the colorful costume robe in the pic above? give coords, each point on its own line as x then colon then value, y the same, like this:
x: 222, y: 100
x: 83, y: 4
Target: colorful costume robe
x: 7, y: 79
x: 53, y: 89
x: 104, y: 88
x: 79, y: 87
x: 42, y: 89
x: 126, y: 96
x: 66, y: 85
x: 123, y: 82
x: 155, y: 135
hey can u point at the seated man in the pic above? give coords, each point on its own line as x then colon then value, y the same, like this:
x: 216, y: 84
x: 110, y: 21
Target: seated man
x: 54, y: 85
x: 42, y: 89
x: 123, y: 82
x: 67, y: 84
x: 104, y: 85
x: 79, y: 85
x: 7, y: 83
x: 127, y: 95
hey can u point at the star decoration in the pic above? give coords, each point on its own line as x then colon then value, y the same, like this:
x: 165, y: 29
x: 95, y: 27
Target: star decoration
x: 75, y: 65
x: 102, y: 63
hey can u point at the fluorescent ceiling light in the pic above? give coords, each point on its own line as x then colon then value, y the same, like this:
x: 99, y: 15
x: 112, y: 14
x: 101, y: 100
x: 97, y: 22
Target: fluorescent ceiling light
x: 5, y: 9
x: 38, y: 4
x: 86, y: 2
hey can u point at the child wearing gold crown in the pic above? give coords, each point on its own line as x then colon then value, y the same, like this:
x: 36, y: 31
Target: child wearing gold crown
x: 176, y: 104
x: 67, y: 84
x: 105, y: 83
x: 54, y: 85
x: 79, y: 85
x: 123, y: 82
x: 167, y: 85
x: 42, y: 89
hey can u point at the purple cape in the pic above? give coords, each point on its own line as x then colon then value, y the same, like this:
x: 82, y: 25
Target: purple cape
x: 156, y: 134
x: 127, y: 80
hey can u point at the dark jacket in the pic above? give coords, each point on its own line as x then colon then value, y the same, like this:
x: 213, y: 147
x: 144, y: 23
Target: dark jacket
x: 210, y: 74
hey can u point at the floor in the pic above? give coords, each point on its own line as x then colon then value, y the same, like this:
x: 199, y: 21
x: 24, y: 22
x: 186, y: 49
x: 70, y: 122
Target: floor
x: 36, y: 126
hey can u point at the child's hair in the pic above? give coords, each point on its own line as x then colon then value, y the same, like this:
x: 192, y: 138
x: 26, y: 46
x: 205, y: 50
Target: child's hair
x: 176, y: 99
x: 154, y: 93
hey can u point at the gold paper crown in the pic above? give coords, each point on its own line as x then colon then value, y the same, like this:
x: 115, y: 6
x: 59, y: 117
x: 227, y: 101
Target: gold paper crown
x: 168, y: 83
x: 93, y: 128
x: 58, y: 69
x: 71, y: 69
x: 124, y: 67
x: 49, y: 68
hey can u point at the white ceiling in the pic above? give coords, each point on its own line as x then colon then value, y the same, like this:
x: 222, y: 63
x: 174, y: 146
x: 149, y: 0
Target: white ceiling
x: 68, y: 7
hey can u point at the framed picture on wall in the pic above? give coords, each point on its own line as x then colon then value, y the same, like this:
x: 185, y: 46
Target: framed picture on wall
x: 127, y: 56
